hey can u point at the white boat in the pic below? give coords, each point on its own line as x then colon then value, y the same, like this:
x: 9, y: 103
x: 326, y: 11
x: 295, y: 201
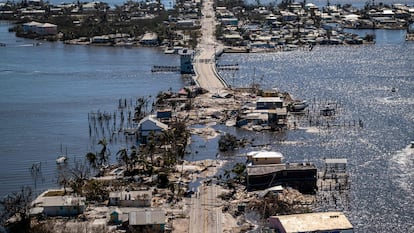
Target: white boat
x: 61, y: 159
x: 299, y: 106
x: 169, y: 50
x: 412, y: 144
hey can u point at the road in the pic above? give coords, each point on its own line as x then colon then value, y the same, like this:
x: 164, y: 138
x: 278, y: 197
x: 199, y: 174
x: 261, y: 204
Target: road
x: 204, y: 61
x: 205, y: 212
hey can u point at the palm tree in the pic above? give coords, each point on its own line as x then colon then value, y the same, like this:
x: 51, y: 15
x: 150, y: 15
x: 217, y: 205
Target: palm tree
x: 133, y: 155
x: 123, y: 156
x: 92, y: 159
x: 150, y: 147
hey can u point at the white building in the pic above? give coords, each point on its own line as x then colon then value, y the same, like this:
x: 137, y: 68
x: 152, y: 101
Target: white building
x: 130, y: 198
x: 150, y: 125
x: 311, y: 222
x: 58, y: 205
x: 264, y: 157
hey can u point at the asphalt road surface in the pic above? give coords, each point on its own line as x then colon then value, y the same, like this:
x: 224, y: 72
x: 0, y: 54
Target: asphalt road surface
x: 204, y: 61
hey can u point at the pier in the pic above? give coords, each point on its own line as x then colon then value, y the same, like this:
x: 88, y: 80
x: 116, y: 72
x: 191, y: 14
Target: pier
x: 165, y: 69
x: 334, y: 185
x: 228, y: 67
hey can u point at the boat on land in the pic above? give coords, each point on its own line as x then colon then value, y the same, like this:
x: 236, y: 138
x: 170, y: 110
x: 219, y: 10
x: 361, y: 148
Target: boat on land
x: 299, y: 106
x: 172, y: 50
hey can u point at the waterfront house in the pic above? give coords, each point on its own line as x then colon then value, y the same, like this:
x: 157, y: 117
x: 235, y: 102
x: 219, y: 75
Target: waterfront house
x: 150, y: 125
x: 325, y: 222
x: 47, y: 29
x: 53, y: 203
x: 301, y: 176
x: 277, y: 118
x: 130, y: 198
x: 31, y: 26
x: 269, y: 103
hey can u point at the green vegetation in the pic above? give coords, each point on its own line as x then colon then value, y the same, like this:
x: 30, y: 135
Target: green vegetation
x: 227, y: 142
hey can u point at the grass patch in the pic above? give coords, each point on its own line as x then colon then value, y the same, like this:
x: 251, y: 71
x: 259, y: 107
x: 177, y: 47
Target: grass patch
x: 54, y: 193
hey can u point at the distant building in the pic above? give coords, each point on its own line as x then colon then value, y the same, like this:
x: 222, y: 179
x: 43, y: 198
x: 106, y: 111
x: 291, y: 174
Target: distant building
x: 229, y: 21
x: 40, y: 28
x: 288, y: 16
x: 149, y: 39
x: 327, y: 222
x: 100, y: 39
x: 90, y: 6
x: 186, y: 23
x: 31, y: 26
x: 47, y: 29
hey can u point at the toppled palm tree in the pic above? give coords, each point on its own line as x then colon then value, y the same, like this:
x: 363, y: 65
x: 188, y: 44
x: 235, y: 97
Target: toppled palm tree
x: 228, y: 142
x: 97, y: 160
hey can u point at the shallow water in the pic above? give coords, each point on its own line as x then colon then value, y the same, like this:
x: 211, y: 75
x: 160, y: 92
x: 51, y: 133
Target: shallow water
x: 47, y: 91
x: 359, y: 79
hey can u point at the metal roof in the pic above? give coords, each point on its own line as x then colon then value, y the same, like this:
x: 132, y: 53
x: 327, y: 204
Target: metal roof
x: 147, y: 217
x: 314, y: 222
x: 265, y: 154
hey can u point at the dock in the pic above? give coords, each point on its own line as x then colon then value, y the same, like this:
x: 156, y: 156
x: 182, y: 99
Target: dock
x: 165, y: 69
x: 228, y: 67
x: 333, y: 185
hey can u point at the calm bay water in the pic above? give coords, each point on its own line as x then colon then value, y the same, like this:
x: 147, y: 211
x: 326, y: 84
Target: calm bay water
x: 47, y: 91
